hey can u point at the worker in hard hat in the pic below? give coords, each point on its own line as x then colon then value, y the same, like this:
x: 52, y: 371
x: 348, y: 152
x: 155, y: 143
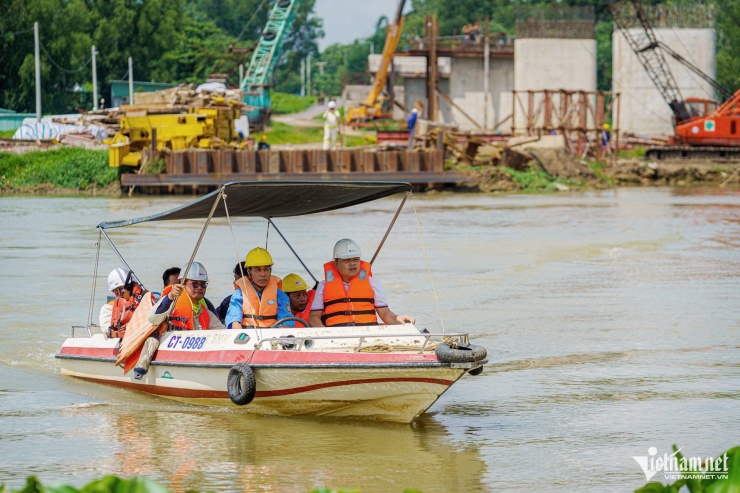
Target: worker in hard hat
x: 606, y: 137
x: 266, y: 303
x: 115, y: 314
x: 349, y: 294
x: 300, y: 297
x: 263, y: 145
x: 184, y: 307
x: 331, y: 126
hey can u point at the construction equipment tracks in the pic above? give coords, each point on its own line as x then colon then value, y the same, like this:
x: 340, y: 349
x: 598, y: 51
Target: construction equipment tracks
x: 693, y: 153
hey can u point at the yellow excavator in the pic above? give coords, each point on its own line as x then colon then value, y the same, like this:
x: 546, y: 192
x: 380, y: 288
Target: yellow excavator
x: 372, y: 108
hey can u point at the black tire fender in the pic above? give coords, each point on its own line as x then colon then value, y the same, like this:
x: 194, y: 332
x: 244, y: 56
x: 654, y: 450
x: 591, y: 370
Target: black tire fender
x: 269, y: 35
x: 463, y: 353
x: 476, y: 371
x: 241, y: 384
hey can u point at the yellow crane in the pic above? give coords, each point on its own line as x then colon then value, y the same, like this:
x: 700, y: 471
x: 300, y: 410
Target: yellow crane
x: 373, y: 106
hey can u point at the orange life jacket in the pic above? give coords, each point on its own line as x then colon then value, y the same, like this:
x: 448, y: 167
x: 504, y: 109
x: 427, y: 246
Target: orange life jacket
x: 123, y: 310
x: 356, y: 307
x: 306, y: 311
x: 181, y: 317
x: 259, y: 312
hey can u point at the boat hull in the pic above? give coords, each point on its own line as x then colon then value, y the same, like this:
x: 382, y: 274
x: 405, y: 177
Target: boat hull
x: 331, y: 380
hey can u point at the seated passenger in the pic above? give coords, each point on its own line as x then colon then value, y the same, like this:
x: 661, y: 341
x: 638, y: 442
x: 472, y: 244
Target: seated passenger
x: 191, y: 310
x: 266, y: 302
x: 115, y: 314
x: 349, y: 294
x: 223, y: 308
x: 300, y: 297
x: 170, y: 276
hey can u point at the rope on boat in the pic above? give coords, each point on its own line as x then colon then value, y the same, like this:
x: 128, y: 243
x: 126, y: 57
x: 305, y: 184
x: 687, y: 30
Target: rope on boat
x: 426, y: 260
x: 94, y: 279
x: 387, y: 348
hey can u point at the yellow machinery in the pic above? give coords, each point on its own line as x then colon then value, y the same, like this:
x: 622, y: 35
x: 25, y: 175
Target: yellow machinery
x: 207, y: 127
x: 373, y: 106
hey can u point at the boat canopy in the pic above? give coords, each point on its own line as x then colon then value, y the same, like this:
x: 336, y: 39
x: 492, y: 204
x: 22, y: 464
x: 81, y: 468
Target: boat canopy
x: 275, y: 199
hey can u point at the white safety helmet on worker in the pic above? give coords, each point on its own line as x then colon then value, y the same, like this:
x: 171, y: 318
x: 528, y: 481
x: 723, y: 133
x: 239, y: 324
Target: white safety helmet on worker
x: 196, y: 272
x: 292, y: 283
x: 332, y: 105
x: 117, y: 278
x: 346, y: 248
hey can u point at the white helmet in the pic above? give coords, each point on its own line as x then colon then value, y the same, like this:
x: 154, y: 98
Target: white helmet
x: 117, y: 278
x: 332, y: 105
x: 346, y: 248
x: 196, y: 273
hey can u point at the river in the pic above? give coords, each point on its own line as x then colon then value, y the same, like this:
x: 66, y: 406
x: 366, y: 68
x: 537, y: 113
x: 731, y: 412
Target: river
x: 611, y: 321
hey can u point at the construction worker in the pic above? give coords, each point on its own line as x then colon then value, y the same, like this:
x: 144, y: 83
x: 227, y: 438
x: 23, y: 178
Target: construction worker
x: 605, y: 136
x: 265, y: 302
x: 300, y: 297
x: 331, y: 126
x: 263, y: 144
x: 411, y: 125
x: 349, y: 294
x: 115, y: 314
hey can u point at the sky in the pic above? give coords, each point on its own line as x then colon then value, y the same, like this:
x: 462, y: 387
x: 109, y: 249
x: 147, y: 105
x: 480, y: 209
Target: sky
x: 347, y: 20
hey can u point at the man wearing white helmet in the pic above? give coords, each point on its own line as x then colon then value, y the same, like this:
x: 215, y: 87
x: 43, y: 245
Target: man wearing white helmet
x: 331, y: 126
x: 185, y: 305
x: 349, y: 294
x: 116, y: 285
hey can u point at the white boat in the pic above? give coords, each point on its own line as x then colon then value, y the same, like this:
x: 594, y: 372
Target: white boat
x: 385, y: 372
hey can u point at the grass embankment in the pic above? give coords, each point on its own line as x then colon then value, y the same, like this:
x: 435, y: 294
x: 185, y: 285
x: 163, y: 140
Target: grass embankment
x: 281, y: 134
x: 7, y: 134
x: 285, y: 104
x: 65, y: 168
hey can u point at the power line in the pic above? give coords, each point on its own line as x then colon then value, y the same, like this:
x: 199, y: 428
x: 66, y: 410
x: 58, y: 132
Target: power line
x: 16, y: 33
x: 62, y: 68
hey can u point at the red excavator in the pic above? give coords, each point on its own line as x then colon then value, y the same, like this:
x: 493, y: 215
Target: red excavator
x: 703, y: 128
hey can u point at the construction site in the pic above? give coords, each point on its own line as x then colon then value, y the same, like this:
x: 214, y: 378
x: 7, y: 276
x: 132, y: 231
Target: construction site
x: 481, y: 101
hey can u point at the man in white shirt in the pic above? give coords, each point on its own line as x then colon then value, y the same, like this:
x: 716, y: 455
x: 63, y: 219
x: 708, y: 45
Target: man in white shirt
x: 331, y: 126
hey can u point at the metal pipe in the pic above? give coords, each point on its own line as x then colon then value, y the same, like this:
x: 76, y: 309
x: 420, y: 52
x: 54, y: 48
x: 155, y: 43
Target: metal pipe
x: 37, y: 63
x: 405, y: 196
x: 130, y: 80
x: 95, y: 81
x: 292, y: 250
x: 202, y: 234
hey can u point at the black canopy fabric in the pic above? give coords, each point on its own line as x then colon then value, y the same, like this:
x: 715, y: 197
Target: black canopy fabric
x: 275, y: 199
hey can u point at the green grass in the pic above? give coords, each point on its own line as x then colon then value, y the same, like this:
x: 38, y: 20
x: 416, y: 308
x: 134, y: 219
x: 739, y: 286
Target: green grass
x: 280, y: 133
x: 284, y: 104
x: 637, y: 152
x: 532, y: 180
x: 599, y: 170
x: 66, y: 167
x: 7, y: 134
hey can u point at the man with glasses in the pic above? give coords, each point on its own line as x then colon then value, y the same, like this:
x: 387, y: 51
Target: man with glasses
x: 266, y: 303
x: 185, y: 306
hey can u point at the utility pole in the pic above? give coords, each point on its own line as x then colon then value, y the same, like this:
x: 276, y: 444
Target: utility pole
x: 95, y: 81
x: 130, y: 80
x: 303, y: 76
x: 241, y: 74
x: 321, y: 67
x: 38, y: 70
x: 308, y: 75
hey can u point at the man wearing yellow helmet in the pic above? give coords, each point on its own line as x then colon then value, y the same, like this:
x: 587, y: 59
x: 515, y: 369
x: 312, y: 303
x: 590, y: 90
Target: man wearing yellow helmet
x: 266, y: 303
x: 300, y: 297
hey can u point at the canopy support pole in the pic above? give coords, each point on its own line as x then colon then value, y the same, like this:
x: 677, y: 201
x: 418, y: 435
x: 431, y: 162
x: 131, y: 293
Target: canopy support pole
x: 120, y: 257
x: 405, y: 196
x: 294, y: 252
x: 203, y: 233
x: 95, y: 280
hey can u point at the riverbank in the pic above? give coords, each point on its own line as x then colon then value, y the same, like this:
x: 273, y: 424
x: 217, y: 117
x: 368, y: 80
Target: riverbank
x: 75, y: 171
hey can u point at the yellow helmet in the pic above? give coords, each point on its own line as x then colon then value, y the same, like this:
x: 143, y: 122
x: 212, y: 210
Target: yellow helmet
x: 606, y: 126
x: 257, y: 257
x: 293, y: 283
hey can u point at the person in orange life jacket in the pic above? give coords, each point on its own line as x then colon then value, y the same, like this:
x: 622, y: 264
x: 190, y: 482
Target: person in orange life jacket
x: 191, y: 311
x: 170, y: 277
x: 265, y: 302
x: 223, y: 308
x: 300, y: 297
x: 116, y: 284
x: 349, y: 294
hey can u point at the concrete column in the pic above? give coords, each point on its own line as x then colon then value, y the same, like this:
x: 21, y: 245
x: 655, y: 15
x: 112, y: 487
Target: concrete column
x: 241, y: 75
x: 38, y: 69
x: 130, y: 80
x: 303, y: 77
x: 308, y: 75
x: 95, y: 81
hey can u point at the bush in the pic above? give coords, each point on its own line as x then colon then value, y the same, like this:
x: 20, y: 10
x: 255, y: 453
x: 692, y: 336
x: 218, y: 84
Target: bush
x: 65, y: 167
x: 283, y: 103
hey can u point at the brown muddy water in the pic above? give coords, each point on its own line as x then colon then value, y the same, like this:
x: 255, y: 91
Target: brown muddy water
x: 612, y: 322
